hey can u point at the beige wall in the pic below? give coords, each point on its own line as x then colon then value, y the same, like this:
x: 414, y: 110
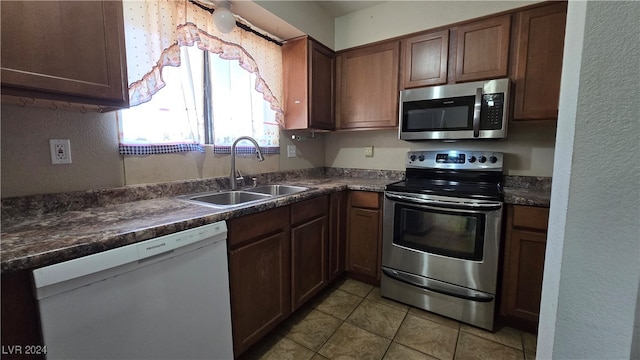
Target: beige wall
x: 193, y: 165
x: 27, y: 169
x: 26, y: 160
x: 528, y: 149
x: 309, y: 150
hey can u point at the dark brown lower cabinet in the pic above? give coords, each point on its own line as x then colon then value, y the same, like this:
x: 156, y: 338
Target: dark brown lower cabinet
x: 525, y: 244
x: 259, y: 274
x: 309, y: 247
x: 20, y: 321
x: 337, y: 233
x: 364, y: 236
x: 278, y: 260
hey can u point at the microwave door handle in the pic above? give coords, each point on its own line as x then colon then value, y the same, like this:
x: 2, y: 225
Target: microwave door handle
x: 476, y: 113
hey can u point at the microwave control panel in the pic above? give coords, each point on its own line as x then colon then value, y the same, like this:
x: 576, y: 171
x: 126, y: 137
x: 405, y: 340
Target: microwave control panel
x: 492, y: 109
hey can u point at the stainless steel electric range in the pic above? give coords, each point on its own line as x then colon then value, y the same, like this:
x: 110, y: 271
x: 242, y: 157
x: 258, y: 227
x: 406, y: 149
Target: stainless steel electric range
x: 441, y: 234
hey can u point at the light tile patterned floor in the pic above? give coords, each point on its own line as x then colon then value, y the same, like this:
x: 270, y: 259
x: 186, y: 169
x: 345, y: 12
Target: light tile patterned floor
x: 351, y: 320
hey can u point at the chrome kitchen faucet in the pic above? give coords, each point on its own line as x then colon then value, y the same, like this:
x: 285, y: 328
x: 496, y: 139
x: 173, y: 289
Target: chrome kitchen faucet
x: 232, y: 176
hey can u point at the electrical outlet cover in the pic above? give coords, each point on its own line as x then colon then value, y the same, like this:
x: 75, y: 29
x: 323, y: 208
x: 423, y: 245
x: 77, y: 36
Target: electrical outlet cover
x: 291, y: 151
x: 60, y: 151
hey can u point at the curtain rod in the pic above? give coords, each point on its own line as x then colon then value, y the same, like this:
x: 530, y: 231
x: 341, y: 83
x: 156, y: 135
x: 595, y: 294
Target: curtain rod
x: 240, y: 25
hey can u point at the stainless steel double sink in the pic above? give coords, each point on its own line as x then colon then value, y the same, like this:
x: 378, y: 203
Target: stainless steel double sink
x: 233, y: 198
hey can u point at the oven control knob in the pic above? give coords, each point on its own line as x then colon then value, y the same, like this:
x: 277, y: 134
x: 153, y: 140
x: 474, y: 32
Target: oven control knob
x: 482, y: 159
x: 493, y: 159
x: 472, y: 159
x: 421, y: 157
x: 412, y: 158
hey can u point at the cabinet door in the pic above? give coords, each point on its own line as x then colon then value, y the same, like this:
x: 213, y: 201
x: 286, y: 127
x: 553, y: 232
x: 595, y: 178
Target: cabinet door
x: 482, y: 50
x: 363, y: 242
x: 538, y: 61
x: 295, y: 72
x: 368, y: 82
x: 19, y: 315
x: 308, y: 260
x: 308, y: 73
x: 321, y: 78
x: 259, y: 275
x: 65, y: 50
x: 337, y: 233
x: 524, y: 267
x: 524, y: 251
x: 425, y: 59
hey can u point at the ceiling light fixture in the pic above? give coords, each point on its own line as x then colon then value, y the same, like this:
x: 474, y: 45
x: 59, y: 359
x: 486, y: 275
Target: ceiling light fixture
x: 223, y: 17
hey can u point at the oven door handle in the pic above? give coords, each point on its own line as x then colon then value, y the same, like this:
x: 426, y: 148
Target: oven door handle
x: 438, y: 286
x: 476, y: 113
x: 446, y: 204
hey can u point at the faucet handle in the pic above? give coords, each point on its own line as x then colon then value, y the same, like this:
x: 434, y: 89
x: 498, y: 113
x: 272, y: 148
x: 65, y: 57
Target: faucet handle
x: 239, y: 178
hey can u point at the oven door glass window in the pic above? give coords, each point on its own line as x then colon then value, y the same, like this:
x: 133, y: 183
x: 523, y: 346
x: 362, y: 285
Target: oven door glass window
x: 447, y: 233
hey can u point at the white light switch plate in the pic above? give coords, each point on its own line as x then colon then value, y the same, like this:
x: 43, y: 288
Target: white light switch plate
x: 291, y: 151
x: 368, y: 151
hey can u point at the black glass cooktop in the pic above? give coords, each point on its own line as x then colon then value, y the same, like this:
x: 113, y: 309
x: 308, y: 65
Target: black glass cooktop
x: 474, y: 185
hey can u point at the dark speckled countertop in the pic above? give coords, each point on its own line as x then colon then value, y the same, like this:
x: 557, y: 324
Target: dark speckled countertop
x: 63, y: 227
x: 34, y: 241
x: 527, y: 190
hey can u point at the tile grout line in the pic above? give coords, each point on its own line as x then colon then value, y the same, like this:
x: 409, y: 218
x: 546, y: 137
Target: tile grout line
x: 362, y: 299
x: 342, y: 321
x: 396, y: 333
x: 354, y: 309
x: 374, y: 300
x: 497, y: 342
x: 455, y: 348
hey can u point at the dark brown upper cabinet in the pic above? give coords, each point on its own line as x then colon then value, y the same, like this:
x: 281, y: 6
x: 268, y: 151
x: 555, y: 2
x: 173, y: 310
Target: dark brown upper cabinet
x: 425, y: 59
x: 539, y: 43
x: 367, y: 86
x: 482, y: 49
x: 65, y: 50
x: 308, y: 70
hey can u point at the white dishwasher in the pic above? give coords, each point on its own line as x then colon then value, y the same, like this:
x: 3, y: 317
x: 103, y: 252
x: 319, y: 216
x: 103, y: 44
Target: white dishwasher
x: 165, y: 298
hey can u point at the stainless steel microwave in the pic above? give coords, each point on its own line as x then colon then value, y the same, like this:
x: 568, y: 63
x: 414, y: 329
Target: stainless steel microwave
x: 475, y: 110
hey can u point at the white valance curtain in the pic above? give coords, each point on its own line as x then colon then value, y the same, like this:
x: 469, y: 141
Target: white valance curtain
x: 156, y: 29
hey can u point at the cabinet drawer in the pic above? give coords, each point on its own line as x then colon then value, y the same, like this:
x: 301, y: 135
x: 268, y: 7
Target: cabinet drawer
x: 309, y: 209
x: 530, y: 217
x: 249, y: 227
x: 364, y: 199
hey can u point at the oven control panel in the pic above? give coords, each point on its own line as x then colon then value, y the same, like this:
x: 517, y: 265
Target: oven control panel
x: 455, y: 159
